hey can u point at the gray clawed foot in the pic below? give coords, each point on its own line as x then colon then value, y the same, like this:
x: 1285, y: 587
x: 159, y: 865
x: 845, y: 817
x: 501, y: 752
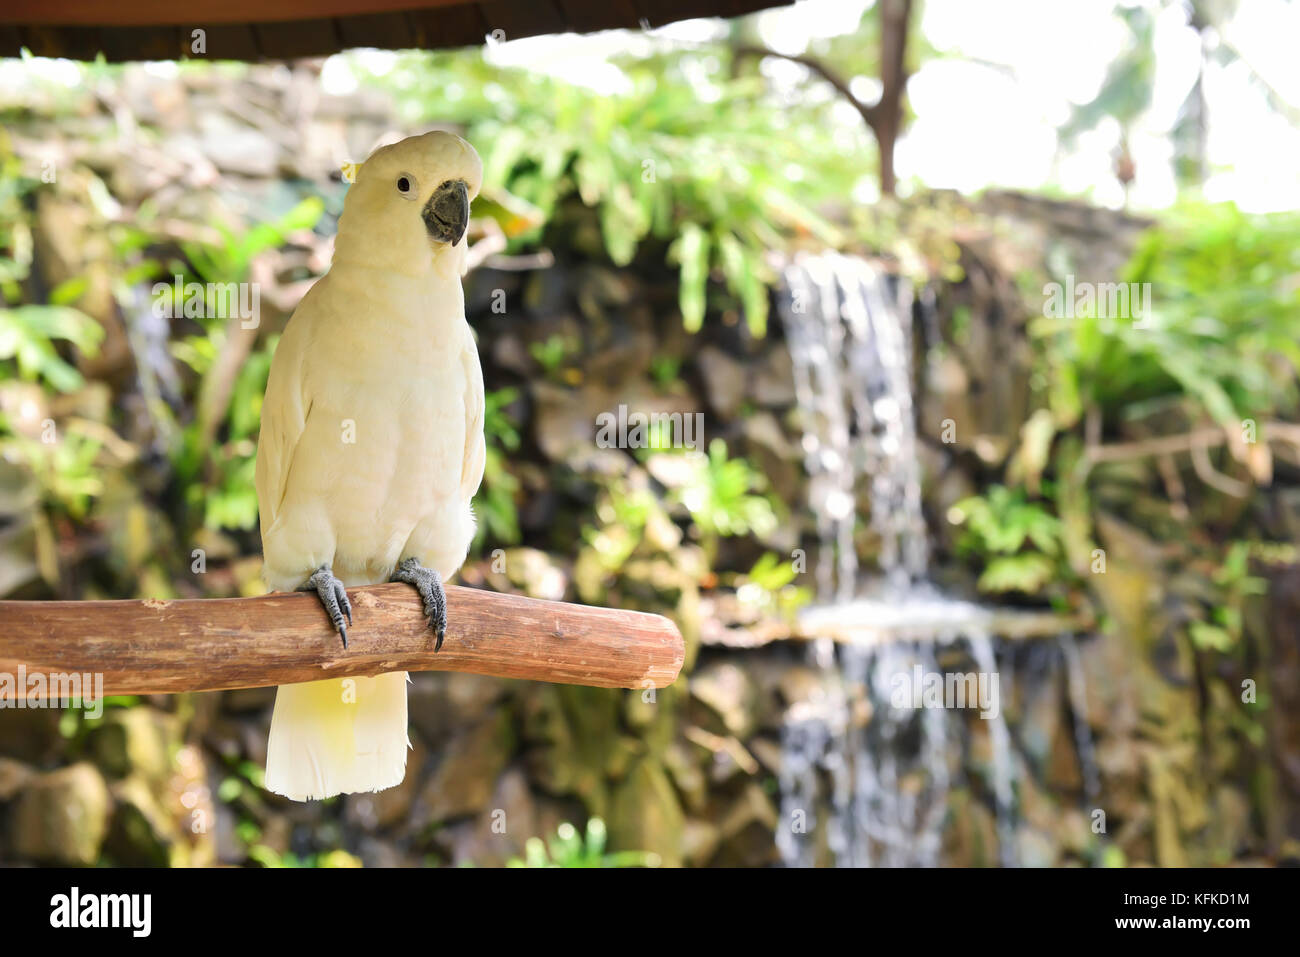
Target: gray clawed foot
x: 429, y: 584
x: 333, y: 596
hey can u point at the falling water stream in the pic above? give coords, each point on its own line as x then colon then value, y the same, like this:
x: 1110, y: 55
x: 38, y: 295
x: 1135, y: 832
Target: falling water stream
x: 1076, y: 685
x: 861, y: 778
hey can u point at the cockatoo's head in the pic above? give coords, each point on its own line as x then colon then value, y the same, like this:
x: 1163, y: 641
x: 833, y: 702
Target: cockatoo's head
x: 410, y: 203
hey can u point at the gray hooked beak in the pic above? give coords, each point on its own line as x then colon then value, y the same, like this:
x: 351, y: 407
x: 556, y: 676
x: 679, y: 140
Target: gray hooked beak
x: 446, y: 214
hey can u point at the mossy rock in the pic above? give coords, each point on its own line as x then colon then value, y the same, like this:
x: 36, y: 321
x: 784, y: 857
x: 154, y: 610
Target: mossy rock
x: 137, y: 740
x: 62, y: 817
x: 140, y: 833
x: 645, y: 814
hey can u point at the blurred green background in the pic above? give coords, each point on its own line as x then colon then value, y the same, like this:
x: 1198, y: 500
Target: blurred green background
x: 630, y: 247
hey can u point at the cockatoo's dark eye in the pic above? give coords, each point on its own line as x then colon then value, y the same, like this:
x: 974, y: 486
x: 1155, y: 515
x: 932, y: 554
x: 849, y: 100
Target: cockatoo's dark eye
x: 407, y: 186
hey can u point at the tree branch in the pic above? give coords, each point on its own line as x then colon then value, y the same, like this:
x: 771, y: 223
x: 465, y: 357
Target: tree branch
x: 884, y: 118
x: 1185, y: 442
x: 870, y: 114
x: 152, y: 647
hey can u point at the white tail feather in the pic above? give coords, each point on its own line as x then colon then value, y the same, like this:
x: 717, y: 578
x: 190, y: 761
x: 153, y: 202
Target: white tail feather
x: 338, y: 736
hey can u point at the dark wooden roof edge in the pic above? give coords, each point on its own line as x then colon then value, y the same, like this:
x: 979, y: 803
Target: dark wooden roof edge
x: 460, y: 24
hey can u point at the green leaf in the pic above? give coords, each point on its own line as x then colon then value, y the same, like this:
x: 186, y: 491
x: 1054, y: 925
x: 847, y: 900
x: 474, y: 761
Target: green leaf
x: 692, y: 251
x: 1026, y: 573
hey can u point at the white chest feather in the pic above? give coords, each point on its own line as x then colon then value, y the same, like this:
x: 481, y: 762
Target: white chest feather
x: 384, y: 437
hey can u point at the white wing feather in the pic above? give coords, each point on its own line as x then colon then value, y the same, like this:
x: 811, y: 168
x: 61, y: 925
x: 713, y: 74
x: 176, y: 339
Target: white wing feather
x: 471, y: 475
x: 284, y: 414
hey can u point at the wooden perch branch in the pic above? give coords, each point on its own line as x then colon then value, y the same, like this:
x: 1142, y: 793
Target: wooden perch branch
x: 152, y: 647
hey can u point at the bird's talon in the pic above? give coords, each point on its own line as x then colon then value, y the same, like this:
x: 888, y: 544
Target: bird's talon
x: 334, y: 596
x: 429, y: 584
x: 344, y: 604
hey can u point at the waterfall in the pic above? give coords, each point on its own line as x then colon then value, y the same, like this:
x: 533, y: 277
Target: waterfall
x: 981, y: 647
x: 1077, y: 688
x: 850, y: 342
x: 871, y: 775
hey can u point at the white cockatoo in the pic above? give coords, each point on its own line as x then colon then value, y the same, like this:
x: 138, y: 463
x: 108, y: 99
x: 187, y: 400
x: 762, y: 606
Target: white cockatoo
x: 371, y: 447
